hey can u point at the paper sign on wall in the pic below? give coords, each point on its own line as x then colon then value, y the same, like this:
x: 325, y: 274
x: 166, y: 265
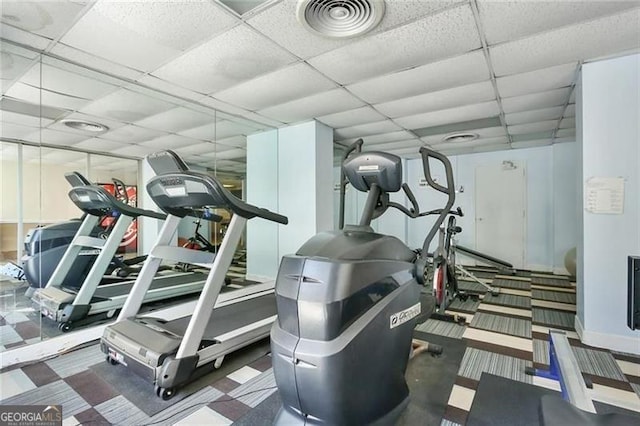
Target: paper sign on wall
x: 605, y: 195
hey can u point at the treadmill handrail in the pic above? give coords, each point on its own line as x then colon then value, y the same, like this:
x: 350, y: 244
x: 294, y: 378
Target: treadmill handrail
x: 217, y: 190
x: 76, y: 179
x: 78, y: 193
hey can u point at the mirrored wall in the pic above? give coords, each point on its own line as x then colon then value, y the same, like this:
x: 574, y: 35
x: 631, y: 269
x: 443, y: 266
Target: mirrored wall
x: 57, y: 118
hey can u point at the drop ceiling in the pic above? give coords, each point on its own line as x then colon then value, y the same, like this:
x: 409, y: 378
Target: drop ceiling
x: 192, y: 75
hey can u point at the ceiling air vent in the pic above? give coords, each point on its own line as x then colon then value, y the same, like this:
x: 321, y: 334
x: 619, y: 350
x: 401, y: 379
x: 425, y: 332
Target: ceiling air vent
x: 460, y: 137
x: 86, y: 126
x: 340, y: 18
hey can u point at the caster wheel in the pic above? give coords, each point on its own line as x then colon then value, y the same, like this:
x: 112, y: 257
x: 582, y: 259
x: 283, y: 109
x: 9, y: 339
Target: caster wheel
x: 167, y: 393
x: 156, y: 390
x: 111, y: 360
x: 64, y: 327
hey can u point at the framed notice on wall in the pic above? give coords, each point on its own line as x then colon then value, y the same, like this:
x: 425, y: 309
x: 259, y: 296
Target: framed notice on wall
x: 604, y: 195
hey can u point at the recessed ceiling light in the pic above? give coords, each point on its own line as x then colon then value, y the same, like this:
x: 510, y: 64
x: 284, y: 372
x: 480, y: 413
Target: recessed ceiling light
x: 340, y: 18
x: 86, y: 126
x: 460, y: 137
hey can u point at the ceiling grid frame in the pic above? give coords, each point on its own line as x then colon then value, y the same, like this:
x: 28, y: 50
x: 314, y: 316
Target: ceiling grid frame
x: 492, y: 74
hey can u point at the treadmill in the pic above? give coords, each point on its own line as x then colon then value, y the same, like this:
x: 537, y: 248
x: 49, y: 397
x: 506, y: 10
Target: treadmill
x: 71, y: 307
x: 172, y: 353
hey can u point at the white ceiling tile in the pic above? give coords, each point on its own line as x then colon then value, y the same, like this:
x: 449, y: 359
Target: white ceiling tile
x: 286, y: 84
x: 204, y: 133
x: 553, y: 113
x: 177, y: 119
x: 99, y: 144
x: 536, y: 100
x: 95, y: 62
x: 135, y: 151
x: 132, y: 134
x: 563, y: 133
x: 201, y: 148
x: 36, y: 95
x: 160, y: 85
x: 435, y: 37
x: 15, y: 131
x: 49, y: 19
x: 403, y: 144
x: 169, y: 142
x: 237, y: 141
x: 386, y: 126
x: 381, y: 138
x: 568, y: 123
x: 237, y: 55
x: 452, y: 72
x: 66, y: 82
x: 101, y: 36
x: 14, y: 66
x: 127, y: 106
x: 55, y: 137
x: 234, y: 153
x: 22, y: 119
x: 484, y: 133
x: 352, y: 117
x: 280, y: 24
x: 452, y: 115
x: 531, y: 144
x: 521, y: 129
x: 443, y: 99
x: 177, y: 24
x: 509, y: 20
x: 227, y: 128
x: 537, y: 81
x: 9, y: 32
x: 570, y: 111
x: 260, y: 119
x: 220, y: 106
x: 589, y: 40
x: 329, y: 102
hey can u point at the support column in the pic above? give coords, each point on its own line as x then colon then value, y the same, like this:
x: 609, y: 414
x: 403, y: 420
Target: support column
x: 608, y: 108
x: 290, y: 171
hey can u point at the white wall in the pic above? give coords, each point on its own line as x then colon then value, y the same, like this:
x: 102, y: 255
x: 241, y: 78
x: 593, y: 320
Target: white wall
x: 610, y: 134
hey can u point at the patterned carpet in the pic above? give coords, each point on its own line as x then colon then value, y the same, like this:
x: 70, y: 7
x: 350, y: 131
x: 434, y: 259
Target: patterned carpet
x: 504, y: 334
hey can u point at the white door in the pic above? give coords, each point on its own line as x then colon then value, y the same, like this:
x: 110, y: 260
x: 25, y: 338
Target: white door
x: 501, y: 211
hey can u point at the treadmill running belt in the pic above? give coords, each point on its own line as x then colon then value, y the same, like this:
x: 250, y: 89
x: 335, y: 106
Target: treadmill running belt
x: 111, y: 291
x: 230, y: 317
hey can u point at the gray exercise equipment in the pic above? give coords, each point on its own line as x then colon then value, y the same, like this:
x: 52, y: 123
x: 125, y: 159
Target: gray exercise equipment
x: 172, y: 353
x: 348, y: 302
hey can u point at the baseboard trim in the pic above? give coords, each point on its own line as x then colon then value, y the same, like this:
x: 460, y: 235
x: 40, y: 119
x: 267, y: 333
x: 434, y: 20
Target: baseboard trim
x: 259, y: 278
x: 539, y: 268
x: 607, y: 341
x: 561, y: 271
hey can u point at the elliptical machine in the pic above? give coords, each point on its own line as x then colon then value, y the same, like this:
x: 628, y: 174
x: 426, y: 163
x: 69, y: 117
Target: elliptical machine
x: 348, y: 302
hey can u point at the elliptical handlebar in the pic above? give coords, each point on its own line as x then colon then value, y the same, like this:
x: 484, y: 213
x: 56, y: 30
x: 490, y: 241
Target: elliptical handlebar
x: 449, y: 190
x: 356, y: 146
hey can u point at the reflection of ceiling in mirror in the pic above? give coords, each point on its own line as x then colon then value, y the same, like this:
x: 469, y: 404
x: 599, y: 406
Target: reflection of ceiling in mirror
x: 139, y: 120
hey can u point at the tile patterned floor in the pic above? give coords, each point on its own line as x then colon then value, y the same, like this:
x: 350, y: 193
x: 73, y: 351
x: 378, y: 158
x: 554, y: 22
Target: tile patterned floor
x: 504, y: 335
x: 510, y: 331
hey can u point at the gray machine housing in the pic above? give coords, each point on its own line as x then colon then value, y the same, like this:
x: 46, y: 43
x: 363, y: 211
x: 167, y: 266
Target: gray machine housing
x: 347, y: 305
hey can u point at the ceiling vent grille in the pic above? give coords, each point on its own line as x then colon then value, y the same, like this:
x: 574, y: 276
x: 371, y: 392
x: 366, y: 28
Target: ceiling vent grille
x: 340, y: 18
x: 460, y: 137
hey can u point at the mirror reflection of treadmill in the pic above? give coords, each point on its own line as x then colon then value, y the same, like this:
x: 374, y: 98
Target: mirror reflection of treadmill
x: 169, y: 352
